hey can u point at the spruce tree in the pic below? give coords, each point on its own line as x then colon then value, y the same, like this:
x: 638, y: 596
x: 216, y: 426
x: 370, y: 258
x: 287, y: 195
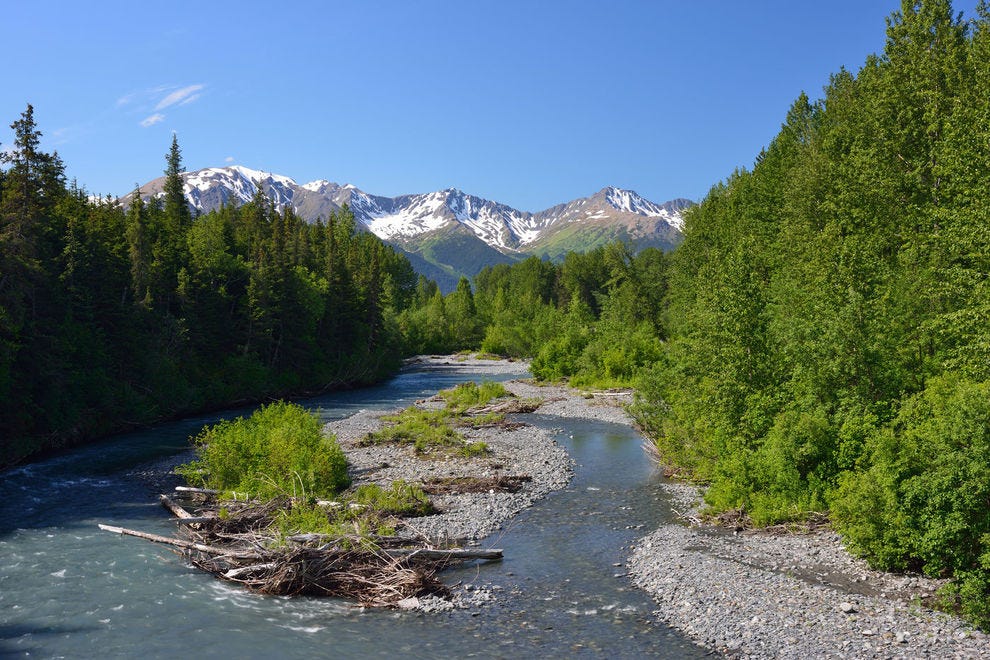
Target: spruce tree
x: 177, y: 214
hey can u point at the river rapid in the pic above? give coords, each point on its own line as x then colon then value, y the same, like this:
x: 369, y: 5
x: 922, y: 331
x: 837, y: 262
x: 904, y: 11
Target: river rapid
x: 68, y: 589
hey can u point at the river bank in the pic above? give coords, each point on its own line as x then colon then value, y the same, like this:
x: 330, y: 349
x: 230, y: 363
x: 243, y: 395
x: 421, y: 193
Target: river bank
x: 68, y: 589
x: 513, y: 451
x: 522, y: 451
x: 743, y: 595
x: 756, y: 594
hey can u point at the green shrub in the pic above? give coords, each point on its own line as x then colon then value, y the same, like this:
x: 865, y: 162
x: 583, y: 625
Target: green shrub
x: 429, y: 430
x: 422, y: 428
x: 368, y: 510
x: 279, y: 450
x: 401, y: 499
x: 922, y: 499
x: 558, y: 358
x: 474, y: 449
x: 467, y: 395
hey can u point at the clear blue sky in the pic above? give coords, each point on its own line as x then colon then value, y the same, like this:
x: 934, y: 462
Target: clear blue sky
x: 530, y: 103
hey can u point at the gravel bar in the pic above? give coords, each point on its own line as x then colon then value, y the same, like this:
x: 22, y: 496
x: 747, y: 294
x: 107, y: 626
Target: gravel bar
x: 526, y: 450
x: 762, y: 595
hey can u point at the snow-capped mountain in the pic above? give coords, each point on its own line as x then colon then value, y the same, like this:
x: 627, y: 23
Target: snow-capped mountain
x: 408, y: 220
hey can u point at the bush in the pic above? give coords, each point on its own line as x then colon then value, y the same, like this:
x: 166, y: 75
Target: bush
x: 422, y: 428
x: 922, y: 500
x: 431, y: 430
x: 558, y: 358
x: 467, y: 395
x: 278, y: 450
x: 401, y: 499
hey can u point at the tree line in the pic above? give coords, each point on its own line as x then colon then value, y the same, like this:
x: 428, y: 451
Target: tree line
x: 113, y: 315
x: 592, y: 318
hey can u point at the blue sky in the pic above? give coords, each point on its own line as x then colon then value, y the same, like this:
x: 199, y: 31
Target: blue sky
x: 529, y: 103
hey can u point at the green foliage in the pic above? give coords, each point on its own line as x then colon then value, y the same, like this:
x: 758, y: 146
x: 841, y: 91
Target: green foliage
x: 111, y: 317
x: 923, y: 499
x: 472, y: 449
x: 279, y: 450
x: 424, y: 429
x: 367, y: 511
x: 401, y: 499
x: 825, y: 324
x: 466, y: 395
x: 432, y: 431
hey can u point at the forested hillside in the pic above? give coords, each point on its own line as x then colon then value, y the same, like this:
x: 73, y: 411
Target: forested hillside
x: 111, y: 318
x: 830, y: 313
x: 592, y: 318
x: 820, y: 342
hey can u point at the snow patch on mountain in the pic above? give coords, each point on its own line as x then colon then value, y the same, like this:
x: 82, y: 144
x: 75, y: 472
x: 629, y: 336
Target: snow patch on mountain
x: 408, y: 216
x: 421, y: 215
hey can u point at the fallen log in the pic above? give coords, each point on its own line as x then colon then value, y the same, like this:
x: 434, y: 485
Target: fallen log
x: 313, y: 537
x: 445, y: 555
x: 173, y: 507
x: 506, y: 407
x: 190, y: 489
x: 236, y: 573
x: 195, y: 520
x: 189, y: 545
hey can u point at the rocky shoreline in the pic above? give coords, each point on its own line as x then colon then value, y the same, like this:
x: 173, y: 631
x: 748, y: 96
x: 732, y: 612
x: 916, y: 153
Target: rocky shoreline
x: 741, y: 595
x: 790, y: 596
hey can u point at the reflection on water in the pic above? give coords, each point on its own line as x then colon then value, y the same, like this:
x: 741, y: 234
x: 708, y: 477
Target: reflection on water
x: 68, y: 589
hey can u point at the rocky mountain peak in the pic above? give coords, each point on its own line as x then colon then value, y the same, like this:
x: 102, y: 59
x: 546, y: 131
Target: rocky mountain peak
x: 497, y: 231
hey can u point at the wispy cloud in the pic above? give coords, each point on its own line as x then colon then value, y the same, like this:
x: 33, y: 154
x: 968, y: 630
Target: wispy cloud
x: 151, y: 101
x: 142, y: 97
x: 229, y: 159
x: 181, y: 96
x: 152, y: 120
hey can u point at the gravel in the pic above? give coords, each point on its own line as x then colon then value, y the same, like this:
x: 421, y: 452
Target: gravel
x: 790, y: 596
x: 742, y: 595
x: 526, y: 450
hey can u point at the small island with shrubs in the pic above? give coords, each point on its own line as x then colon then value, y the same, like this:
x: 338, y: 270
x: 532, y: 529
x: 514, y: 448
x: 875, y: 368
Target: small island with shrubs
x: 271, y: 503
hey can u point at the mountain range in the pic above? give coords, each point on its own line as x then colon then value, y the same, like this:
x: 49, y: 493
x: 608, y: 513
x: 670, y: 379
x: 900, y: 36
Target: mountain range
x: 449, y: 233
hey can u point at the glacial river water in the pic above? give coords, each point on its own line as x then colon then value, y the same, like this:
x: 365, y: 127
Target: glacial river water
x: 70, y: 590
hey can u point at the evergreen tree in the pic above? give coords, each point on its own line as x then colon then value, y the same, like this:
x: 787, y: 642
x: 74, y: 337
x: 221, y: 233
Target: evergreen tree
x: 139, y: 241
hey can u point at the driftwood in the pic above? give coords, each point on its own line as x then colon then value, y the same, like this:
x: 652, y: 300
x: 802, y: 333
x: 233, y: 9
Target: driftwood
x: 453, y: 554
x: 197, y: 491
x: 195, y: 520
x: 502, y: 483
x: 372, y: 570
x: 379, y: 541
x: 238, y: 573
x: 188, y: 545
x: 613, y: 393
x: 506, y: 407
x: 173, y: 507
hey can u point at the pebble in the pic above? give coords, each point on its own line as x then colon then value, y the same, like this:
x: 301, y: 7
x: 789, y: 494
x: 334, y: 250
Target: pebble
x: 822, y: 603
x: 527, y: 450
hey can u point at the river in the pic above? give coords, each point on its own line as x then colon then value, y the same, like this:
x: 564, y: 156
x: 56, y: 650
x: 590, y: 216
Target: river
x: 70, y: 590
